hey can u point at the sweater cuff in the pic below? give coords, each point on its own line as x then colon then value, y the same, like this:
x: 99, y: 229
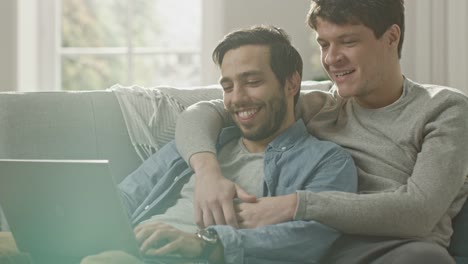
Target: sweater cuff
x: 301, y: 206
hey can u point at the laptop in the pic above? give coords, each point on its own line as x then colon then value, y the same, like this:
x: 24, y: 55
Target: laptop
x: 60, y: 211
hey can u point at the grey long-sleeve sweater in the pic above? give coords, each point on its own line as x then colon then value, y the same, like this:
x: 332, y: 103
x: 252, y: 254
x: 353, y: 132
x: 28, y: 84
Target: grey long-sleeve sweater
x: 412, y: 159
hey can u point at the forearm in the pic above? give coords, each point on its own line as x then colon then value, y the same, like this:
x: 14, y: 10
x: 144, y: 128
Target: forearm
x: 198, y: 127
x: 398, y: 213
x: 297, y: 241
x: 205, y: 163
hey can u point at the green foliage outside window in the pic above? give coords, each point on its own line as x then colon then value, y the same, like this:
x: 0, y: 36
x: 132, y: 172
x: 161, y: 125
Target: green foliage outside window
x: 98, y: 34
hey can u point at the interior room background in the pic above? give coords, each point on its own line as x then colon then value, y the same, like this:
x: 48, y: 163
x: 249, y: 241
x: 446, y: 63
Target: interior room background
x: 92, y: 44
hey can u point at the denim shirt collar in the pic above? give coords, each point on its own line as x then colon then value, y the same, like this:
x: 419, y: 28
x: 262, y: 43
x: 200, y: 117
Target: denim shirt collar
x: 282, y: 142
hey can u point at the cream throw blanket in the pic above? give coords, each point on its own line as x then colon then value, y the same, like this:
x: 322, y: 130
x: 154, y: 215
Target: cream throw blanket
x: 150, y: 114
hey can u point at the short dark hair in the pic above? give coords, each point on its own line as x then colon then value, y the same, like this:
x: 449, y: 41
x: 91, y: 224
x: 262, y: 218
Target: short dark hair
x: 378, y: 15
x: 285, y: 60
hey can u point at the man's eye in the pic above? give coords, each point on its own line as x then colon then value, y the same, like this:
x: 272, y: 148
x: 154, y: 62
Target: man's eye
x: 227, y: 88
x: 322, y: 44
x: 256, y: 82
x: 349, y: 42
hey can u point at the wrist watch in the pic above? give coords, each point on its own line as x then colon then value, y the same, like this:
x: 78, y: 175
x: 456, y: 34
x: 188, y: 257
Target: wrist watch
x: 210, y: 239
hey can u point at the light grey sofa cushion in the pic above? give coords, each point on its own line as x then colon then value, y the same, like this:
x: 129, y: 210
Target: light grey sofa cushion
x: 66, y: 125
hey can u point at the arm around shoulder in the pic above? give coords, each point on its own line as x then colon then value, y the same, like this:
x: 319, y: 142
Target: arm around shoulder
x: 198, y: 127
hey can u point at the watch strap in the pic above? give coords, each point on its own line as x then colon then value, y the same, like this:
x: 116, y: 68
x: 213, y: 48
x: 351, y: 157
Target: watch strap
x: 210, y: 241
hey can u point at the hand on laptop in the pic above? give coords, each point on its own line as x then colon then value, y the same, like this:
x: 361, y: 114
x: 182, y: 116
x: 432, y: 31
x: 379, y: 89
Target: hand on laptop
x: 158, y: 238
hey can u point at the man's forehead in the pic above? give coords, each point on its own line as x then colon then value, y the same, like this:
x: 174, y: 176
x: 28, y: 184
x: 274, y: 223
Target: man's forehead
x: 246, y: 61
x: 247, y: 50
x: 327, y: 28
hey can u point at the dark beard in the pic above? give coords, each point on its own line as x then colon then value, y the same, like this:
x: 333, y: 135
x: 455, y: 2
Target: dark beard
x: 279, y: 108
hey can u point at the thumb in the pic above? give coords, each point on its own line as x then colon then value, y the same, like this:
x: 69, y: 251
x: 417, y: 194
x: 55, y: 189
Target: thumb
x: 245, y: 196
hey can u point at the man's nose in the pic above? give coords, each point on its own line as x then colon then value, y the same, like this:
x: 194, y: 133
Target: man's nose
x: 238, y: 94
x: 333, y: 56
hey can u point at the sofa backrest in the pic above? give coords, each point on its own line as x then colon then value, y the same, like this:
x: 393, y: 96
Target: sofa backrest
x: 66, y: 125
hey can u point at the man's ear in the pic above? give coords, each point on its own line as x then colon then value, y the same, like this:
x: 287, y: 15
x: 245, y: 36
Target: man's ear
x: 393, y: 36
x: 293, y: 84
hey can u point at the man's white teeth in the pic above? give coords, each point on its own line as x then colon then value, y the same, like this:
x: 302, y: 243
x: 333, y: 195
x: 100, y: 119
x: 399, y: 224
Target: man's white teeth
x: 247, y: 114
x: 343, y: 73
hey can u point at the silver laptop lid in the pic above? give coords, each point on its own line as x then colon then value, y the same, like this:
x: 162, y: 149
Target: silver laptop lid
x: 68, y: 208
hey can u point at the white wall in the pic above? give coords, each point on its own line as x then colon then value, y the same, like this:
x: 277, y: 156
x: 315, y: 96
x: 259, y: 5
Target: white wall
x: 436, y: 42
x: 8, y: 45
x: 289, y: 15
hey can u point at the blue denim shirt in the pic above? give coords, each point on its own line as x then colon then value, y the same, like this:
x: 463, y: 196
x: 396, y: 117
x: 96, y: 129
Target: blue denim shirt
x: 294, y: 161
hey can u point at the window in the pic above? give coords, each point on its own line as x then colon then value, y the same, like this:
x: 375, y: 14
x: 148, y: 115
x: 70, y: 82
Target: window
x: 103, y: 42
x: 93, y: 44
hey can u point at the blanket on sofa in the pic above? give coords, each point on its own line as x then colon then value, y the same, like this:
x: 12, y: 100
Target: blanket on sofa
x: 150, y: 114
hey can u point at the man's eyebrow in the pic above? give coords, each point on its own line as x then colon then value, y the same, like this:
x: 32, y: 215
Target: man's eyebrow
x: 342, y: 36
x: 250, y: 73
x: 243, y: 75
x: 347, y: 35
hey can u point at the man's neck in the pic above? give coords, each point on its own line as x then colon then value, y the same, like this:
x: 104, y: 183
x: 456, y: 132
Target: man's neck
x: 254, y: 146
x: 384, y: 96
x: 257, y: 146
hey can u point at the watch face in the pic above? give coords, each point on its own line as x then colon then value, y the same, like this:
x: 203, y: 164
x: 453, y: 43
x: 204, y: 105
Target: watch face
x: 208, y: 235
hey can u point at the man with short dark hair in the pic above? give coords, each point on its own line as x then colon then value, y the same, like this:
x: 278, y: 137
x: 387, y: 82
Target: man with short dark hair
x: 267, y: 153
x: 408, y: 141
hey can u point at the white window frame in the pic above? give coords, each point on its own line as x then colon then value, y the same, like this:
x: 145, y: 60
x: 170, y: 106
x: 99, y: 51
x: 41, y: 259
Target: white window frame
x: 39, y: 38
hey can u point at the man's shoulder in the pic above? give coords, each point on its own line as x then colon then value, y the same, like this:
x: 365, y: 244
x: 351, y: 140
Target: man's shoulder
x: 432, y: 100
x: 312, y: 102
x: 322, y: 148
x: 298, y: 136
x: 167, y: 151
x: 436, y: 92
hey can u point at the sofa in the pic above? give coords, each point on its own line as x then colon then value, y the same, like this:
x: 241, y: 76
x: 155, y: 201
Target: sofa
x: 91, y: 125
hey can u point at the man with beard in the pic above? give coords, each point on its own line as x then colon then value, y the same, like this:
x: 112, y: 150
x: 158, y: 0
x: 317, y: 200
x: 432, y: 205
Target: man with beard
x: 266, y: 153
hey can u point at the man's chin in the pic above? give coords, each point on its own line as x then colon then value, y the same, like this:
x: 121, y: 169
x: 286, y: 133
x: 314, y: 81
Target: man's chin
x: 248, y: 134
x: 345, y: 92
x: 254, y: 136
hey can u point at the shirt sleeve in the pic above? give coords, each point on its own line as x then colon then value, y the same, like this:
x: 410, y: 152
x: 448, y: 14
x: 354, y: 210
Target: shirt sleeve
x: 291, y: 242
x: 198, y: 127
x: 137, y: 186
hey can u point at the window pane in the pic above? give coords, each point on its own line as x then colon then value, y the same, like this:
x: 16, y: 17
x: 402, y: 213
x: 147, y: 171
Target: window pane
x: 158, y: 42
x: 94, y: 23
x: 172, y: 69
x: 88, y: 72
x: 167, y: 23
